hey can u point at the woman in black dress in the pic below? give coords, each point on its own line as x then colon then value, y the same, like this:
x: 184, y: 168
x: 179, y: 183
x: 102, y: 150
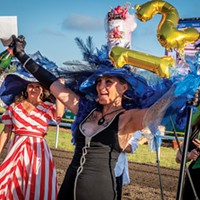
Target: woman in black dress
x: 103, y: 124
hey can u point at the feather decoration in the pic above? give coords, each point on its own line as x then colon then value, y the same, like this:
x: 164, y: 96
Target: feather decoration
x: 90, y: 44
x: 76, y: 71
x: 86, y: 49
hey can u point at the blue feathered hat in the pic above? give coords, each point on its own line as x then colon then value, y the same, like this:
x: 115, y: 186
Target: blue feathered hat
x: 138, y: 85
x: 13, y: 84
x: 141, y: 94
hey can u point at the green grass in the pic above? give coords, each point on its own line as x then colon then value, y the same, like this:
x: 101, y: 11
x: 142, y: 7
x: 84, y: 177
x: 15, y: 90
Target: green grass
x: 141, y: 155
x: 64, y: 139
x: 2, y: 110
x: 144, y: 155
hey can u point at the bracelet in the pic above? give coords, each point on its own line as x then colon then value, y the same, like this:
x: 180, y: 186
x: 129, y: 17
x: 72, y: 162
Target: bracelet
x: 26, y: 62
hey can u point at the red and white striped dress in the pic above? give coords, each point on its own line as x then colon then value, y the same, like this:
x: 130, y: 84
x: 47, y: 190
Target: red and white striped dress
x: 28, y: 171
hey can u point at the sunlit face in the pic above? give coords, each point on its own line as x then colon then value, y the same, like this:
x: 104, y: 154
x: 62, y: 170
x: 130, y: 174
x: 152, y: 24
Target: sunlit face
x: 109, y: 89
x: 34, y: 90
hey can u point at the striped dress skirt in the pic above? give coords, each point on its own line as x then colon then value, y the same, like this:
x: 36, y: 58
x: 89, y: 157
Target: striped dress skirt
x: 28, y: 172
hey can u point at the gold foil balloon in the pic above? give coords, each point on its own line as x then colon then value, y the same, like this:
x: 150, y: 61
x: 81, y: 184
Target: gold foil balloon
x: 167, y: 33
x: 159, y: 65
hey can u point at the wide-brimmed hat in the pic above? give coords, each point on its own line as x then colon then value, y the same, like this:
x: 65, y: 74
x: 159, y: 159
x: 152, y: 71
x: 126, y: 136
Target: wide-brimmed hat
x: 12, y: 84
x: 138, y: 85
x: 142, y: 93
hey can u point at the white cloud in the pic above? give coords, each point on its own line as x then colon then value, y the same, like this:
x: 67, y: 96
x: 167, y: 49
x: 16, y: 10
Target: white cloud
x: 52, y: 32
x: 82, y: 23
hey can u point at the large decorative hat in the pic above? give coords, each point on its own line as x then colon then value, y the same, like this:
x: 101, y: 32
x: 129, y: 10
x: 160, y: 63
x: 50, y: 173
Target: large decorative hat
x: 119, y: 25
x: 12, y: 83
x: 138, y: 85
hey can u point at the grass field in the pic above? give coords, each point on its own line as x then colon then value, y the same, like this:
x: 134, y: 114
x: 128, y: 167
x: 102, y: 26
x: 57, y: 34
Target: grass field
x: 141, y: 155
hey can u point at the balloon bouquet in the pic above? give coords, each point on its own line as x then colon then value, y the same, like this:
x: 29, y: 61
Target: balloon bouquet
x: 170, y: 38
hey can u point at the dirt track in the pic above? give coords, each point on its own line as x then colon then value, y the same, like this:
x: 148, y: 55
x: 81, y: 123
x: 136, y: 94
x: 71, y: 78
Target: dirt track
x: 145, y: 184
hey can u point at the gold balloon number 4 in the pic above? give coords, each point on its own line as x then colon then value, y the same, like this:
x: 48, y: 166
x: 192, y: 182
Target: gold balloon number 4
x: 167, y: 33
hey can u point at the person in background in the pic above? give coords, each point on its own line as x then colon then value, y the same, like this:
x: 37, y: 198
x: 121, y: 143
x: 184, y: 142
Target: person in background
x: 194, y: 167
x: 121, y: 168
x: 28, y: 171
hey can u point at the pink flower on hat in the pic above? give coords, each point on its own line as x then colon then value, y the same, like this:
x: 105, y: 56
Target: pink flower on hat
x: 117, y: 13
x: 116, y: 33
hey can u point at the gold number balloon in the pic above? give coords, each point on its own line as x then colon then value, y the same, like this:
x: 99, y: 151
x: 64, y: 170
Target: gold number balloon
x: 158, y: 65
x: 167, y: 33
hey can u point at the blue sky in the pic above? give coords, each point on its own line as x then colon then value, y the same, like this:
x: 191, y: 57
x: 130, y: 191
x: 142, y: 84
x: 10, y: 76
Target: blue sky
x: 50, y: 26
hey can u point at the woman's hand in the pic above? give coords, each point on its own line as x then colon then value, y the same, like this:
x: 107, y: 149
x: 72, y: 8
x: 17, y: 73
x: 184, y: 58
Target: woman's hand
x: 193, y: 155
x: 18, y: 44
x: 196, y: 142
x: 58, y: 119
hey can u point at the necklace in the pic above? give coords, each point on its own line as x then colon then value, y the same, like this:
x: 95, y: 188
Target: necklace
x: 102, y: 119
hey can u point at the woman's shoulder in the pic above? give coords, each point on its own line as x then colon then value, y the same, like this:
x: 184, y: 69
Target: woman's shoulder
x: 11, y: 108
x: 85, y: 107
x: 14, y: 105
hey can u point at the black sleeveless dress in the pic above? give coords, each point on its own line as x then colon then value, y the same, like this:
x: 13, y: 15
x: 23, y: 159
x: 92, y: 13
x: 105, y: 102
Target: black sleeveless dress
x: 90, y: 175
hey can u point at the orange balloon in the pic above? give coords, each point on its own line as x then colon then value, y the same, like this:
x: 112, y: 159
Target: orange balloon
x: 167, y: 33
x: 158, y: 65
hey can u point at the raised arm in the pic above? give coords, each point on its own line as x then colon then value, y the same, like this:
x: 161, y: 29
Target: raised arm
x: 60, y: 107
x: 155, y: 113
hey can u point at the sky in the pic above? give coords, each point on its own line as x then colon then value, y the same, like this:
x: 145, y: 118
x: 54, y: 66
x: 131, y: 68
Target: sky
x: 51, y: 26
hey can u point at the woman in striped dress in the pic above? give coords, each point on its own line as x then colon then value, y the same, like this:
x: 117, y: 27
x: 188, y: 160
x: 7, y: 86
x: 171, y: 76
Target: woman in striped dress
x: 28, y: 170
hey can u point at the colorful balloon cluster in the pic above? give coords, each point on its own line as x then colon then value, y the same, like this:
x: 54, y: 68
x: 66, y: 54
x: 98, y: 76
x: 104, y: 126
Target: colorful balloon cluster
x: 167, y: 33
